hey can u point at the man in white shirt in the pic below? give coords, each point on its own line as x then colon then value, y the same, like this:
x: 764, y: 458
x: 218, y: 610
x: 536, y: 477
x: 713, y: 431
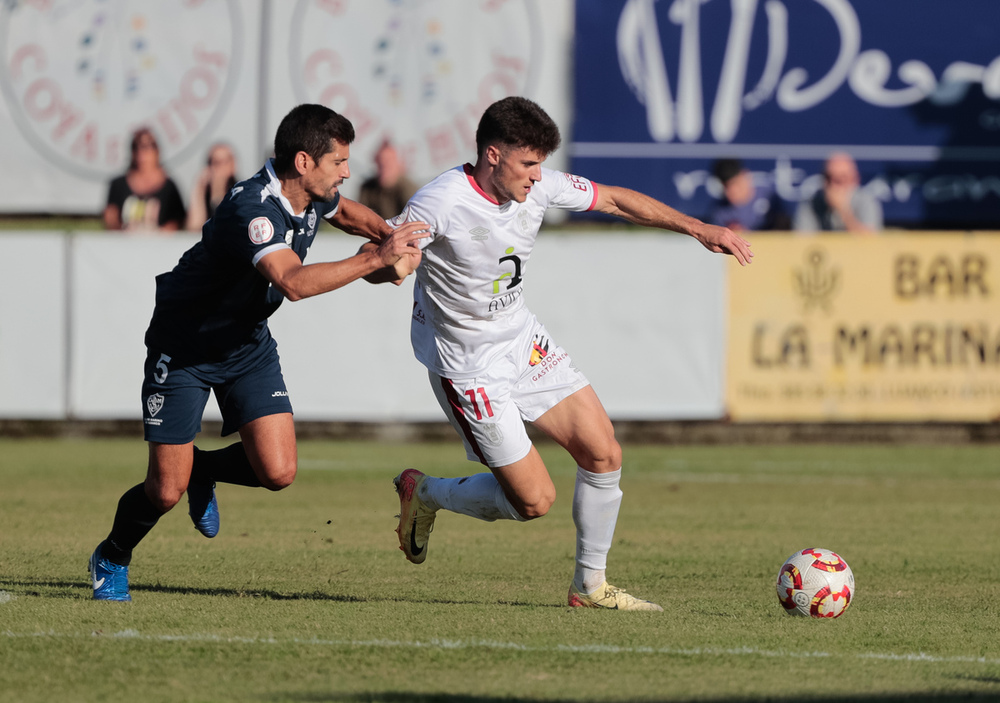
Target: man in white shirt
x: 493, y: 366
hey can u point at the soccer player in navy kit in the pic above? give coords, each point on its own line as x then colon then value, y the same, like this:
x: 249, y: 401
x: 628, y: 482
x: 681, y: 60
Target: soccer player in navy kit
x: 209, y: 332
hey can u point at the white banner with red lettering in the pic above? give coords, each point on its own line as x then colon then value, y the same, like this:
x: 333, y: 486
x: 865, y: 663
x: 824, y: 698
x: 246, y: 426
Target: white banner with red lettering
x: 77, y: 78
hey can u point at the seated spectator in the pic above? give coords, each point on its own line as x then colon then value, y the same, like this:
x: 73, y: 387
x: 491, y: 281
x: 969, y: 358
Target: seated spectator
x: 215, y: 180
x: 144, y: 198
x: 841, y: 205
x: 388, y: 191
x: 743, y: 205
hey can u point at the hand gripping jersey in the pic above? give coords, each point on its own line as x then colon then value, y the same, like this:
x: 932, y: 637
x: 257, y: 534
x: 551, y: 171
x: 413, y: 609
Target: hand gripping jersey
x: 469, y: 290
x: 215, y: 300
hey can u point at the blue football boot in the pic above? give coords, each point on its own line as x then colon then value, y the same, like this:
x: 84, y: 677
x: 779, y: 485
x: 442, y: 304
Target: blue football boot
x: 203, y: 508
x: 110, y: 580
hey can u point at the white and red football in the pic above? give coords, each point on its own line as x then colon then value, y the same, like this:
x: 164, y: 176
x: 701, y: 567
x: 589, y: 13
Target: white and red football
x: 815, y: 582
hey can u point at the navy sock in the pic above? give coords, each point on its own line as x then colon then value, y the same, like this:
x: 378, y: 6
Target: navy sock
x: 134, y: 518
x: 227, y: 465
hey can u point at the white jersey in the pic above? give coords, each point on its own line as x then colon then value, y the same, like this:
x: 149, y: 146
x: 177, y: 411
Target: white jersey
x: 469, y: 292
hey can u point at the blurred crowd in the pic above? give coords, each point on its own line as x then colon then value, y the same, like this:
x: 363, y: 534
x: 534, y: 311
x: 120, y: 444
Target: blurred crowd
x: 841, y: 205
x: 145, y: 198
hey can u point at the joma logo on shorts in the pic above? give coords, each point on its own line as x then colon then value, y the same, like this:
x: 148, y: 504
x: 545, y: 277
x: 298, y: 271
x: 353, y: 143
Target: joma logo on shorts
x: 280, y: 394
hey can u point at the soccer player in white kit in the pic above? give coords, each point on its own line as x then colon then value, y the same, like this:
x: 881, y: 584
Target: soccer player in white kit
x: 492, y: 364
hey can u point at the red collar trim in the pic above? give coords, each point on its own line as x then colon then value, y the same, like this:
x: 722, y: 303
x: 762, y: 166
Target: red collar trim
x: 475, y: 186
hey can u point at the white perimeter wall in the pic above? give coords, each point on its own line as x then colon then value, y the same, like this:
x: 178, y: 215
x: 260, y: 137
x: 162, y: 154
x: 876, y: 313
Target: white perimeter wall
x: 641, y: 314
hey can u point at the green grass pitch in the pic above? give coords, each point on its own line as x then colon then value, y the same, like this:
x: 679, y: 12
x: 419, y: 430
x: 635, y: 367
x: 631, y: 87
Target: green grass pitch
x: 304, y: 595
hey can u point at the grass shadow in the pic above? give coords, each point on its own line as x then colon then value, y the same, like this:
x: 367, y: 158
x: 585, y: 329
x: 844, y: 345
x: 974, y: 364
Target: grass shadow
x: 398, y: 697
x: 79, y: 590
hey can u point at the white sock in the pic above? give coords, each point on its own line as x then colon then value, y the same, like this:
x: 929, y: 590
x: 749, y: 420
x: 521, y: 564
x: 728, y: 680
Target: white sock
x: 595, y: 512
x: 479, y: 496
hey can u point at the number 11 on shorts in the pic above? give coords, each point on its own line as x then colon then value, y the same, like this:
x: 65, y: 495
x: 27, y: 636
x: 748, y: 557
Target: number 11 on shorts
x: 475, y: 404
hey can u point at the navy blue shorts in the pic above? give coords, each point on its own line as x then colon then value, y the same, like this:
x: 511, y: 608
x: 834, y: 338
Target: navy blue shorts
x: 248, y: 385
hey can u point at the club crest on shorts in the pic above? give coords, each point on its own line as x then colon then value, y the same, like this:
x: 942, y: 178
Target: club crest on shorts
x: 154, y: 403
x: 539, y: 350
x: 494, y: 437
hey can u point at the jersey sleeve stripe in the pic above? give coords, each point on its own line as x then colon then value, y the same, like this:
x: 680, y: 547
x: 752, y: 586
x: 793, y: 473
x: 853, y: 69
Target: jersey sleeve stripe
x: 267, y: 250
x: 334, y: 209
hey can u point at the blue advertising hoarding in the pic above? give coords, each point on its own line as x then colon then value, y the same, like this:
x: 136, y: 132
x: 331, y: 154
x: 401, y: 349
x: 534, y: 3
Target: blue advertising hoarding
x: 910, y: 88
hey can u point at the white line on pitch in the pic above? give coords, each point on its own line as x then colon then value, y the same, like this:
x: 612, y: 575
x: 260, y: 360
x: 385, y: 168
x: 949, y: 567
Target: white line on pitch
x: 491, y: 644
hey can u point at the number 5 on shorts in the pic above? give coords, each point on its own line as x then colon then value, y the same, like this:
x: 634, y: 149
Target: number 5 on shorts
x: 161, y: 367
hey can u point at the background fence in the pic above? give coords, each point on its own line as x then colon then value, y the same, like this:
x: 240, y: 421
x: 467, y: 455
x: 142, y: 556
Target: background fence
x: 647, y: 95
x: 900, y: 327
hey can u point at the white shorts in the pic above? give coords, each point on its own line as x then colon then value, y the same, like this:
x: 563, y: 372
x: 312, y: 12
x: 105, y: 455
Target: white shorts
x: 489, y: 411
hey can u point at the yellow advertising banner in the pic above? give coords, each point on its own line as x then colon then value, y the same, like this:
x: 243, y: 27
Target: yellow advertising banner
x: 839, y: 327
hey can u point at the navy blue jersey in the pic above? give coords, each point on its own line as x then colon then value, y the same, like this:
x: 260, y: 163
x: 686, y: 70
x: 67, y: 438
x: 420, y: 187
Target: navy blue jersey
x: 214, y: 300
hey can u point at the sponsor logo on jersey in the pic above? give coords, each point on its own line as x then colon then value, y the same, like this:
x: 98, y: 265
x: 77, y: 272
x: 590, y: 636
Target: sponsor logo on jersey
x: 479, y: 234
x: 154, y: 404
x: 501, y: 303
x: 260, y: 230
x: 280, y: 394
x: 514, y: 276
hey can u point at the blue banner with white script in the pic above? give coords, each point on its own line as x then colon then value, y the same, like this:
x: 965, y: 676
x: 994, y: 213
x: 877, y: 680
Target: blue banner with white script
x: 909, y: 88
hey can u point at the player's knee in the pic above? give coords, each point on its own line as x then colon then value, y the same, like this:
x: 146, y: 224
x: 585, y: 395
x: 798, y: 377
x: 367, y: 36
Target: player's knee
x: 277, y: 477
x: 538, y: 504
x: 613, y: 458
x: 604, y: 458
x: 164, y: 498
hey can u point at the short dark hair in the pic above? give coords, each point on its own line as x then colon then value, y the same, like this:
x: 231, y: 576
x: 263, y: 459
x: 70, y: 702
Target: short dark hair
x: 517, y: 122
x: 309, y: 128
x: 727, y: 169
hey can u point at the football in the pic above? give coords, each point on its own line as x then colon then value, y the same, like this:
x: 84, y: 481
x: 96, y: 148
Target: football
x: 815, y: 582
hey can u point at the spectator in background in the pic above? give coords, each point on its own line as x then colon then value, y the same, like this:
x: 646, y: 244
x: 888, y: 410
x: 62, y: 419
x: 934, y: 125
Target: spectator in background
x: 144, y: 198
x: 388, y: 191
x: 743, y: 206
x: 215, y: 180
x: 841, y: 205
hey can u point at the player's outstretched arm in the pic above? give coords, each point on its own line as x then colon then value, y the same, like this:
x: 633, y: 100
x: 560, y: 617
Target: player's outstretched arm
x: 403, y: 267
x: 640, y: 209
x: 355, y: 218
x: 296, y: 281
